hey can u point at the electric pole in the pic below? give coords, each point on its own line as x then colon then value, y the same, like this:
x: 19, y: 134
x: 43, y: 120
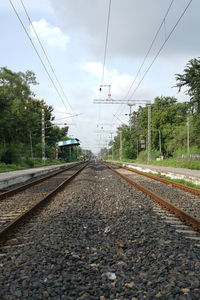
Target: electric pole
x: 149, y: 134
x: 160, y: 141
x: 43, y: 136
x: 120, y: 144
x: 31, y: 144
x: 188, y: 136
x: 109, y: 100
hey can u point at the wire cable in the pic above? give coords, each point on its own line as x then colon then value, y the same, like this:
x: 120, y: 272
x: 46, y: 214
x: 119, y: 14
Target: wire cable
x: 150, y: 47
x: 106, y: 42
x: 42, y: 47
x: 162, y: 46
x: 34, y: 47
x: 148, y: 51
x: 159, y: 51
x: 104, y: 59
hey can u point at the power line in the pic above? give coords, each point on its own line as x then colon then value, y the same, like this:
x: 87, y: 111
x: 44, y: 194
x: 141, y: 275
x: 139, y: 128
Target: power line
x: 68, y: 117
x: 106, y: 42
x: 159, y: 51
x: 105, y: 54
x: 42, y: 47
x: 166, y: 39
x: 34, y: 47
x: 150, y: 47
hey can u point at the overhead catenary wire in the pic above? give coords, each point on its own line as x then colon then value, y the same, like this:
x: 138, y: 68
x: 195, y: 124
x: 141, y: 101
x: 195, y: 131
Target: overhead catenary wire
x: 104, y: 58
x: 71, y: 116
x: 45, y: 53
x: 162, y: 46
x: 150, y: 47
x: 149, y: 50
x: 106, y: 42
x: 118, y: 119
x: 41, y: 60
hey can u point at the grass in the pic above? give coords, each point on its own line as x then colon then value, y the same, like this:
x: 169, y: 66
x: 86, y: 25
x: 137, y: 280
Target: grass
x: 27, y: 164
x: 181, y: 181
x: 184, y: 182
x: 170, y: 162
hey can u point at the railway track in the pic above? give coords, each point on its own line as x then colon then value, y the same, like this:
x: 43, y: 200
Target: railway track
x: 100, y: 239
x: 21, y: 187
x: 19, y: 203
x: 175, y: 184
x: 178, y: 202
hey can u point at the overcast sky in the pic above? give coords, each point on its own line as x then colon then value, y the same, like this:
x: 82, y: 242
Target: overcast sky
x: 73, y: 33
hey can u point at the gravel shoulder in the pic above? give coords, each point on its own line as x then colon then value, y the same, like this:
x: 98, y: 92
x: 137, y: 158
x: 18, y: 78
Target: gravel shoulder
x: 100, y: 239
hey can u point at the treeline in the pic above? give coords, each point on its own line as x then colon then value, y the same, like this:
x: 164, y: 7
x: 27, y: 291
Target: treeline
x: 21, y: 121
x: 175, y: 126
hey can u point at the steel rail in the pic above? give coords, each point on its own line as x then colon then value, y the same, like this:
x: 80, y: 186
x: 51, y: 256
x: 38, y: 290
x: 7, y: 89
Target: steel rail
x: 37, y: 181
x: 173, y: 209
x: 167, y: 181
x: 10, y: 227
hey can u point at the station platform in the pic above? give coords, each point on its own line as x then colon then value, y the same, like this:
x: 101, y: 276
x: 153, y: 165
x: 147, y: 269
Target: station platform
x: 11, y: 178
x: 174, y: 173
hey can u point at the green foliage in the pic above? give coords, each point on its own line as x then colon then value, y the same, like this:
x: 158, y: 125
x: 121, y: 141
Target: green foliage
x: 191, y: 80
x: 184, y: 182
x: 10, y: 156
x: 142, y: 156
x: 28, y: 164
x: 174, y: 126
x: 168, y: 126
x: 21, y: 121
x: 194, y: 165
x: 184, y: 151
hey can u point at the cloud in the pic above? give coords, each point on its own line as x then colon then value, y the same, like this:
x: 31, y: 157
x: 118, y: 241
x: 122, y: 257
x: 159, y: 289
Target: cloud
x: 133, y: 25
x: 119, y: 82
x: 52, y: 35
x: 95, y: 68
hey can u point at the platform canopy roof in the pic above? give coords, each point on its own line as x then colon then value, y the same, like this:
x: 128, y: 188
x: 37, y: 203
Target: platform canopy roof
x: 71, y: 142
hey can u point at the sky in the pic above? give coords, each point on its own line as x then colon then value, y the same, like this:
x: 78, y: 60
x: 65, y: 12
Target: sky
x: 73, y: 34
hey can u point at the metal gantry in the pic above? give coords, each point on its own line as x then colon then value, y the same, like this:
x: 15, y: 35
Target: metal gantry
x: 131, y: 103
x: 120, y: 101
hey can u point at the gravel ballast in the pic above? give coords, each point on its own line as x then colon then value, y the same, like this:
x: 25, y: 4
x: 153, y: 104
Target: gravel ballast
x: 186, y: 201
x: 100, y: 239
x: 13, y: 206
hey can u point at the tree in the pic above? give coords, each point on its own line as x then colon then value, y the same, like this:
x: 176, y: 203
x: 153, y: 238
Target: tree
x: 191, y: 80
x: 15, y: 93
x: 21, y: 118
x: 167, y: 116
x: 168, y: 123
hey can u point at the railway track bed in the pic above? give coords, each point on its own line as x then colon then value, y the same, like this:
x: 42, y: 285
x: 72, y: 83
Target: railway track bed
x: 17, y: 203
x: 181, y: 200
x: 100, y: 239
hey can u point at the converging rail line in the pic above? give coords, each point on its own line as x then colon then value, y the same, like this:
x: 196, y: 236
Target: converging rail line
x: 180, y: 213
x: 14, y: 191
x: 17, y: 204
x: 100, y: 238
x: 167, y: 181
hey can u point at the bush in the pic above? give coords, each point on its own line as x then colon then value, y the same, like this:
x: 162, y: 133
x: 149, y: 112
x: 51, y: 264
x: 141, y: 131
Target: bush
x: 183, y: 151
x: 10, y: 156
x: 27, y: 163
x: 143, y: 155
